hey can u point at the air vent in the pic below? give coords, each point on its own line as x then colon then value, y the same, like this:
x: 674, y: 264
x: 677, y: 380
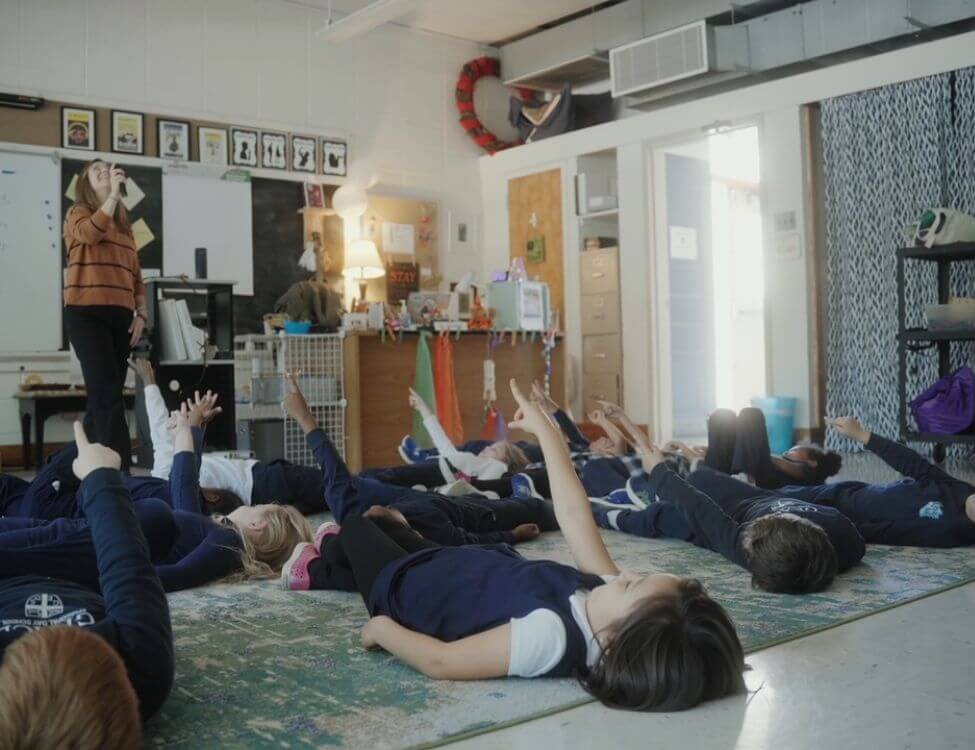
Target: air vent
x: 660, y: 59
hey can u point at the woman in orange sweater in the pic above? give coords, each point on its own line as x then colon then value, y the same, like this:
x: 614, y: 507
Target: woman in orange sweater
x: 104, y: 299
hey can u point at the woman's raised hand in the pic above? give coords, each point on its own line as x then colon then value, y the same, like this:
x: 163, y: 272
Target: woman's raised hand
x: 117, y: 178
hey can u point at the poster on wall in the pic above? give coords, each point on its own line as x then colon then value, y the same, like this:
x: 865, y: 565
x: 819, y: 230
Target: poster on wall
x: 78, y: 128
x: 174, y: 139
x: 401, y: 279
x: 302, y: 153
x: 212, y: 146
x: 274, y: 151
x: 244, y: 147
x: 127, y: 132
x: 334, y: 157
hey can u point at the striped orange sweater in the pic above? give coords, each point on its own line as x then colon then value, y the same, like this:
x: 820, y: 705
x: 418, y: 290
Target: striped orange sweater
x: 103, y: 264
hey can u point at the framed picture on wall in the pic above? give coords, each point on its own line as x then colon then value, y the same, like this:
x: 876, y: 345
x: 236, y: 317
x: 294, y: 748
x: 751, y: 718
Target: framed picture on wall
x: 174, y: 139
x: 127, y: 132
x: 334, y: 157
x: 274, y: 150
x: 303, y: 153
x: 314, y: 197
x: 243, y: 147
x: 78, y: 128
x: 212, y: 146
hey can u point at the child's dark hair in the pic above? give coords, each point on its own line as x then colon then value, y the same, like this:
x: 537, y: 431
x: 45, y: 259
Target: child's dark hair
x: 789, y: 555
x: 669, y: 654
x: 827, y: 463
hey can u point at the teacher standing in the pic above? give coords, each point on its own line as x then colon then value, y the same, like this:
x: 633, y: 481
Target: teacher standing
x: 104, y: 299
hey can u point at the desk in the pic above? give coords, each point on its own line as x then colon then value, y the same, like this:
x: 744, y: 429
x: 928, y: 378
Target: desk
x: 39, y: 405
x: 378, y: 373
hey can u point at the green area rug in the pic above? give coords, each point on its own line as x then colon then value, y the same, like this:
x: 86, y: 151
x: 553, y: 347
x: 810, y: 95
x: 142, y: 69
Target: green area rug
x: 258, y: 666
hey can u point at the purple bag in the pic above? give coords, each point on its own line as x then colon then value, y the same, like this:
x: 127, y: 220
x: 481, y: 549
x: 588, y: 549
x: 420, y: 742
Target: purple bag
x: 948, y: 406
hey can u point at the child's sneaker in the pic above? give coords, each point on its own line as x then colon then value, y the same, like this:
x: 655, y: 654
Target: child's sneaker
x: 616, y: 499
x: 327, y: 529
x: 294, y: 574
x: 409, y: 451
x: 523, y: 488
x: 638, y: 488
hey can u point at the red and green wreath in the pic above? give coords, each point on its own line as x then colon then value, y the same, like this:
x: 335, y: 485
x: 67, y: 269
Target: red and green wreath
x: 464, y: 94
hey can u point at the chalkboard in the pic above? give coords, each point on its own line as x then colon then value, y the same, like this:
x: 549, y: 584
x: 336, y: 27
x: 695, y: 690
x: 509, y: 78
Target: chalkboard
x: 278, y: 244
x: 148, y: 209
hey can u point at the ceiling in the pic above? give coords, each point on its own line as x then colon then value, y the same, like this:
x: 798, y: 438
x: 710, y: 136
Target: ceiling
x: 474, y: 20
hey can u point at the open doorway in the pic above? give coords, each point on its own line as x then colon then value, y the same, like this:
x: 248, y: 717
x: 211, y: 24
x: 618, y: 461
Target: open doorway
x: 710, y: 278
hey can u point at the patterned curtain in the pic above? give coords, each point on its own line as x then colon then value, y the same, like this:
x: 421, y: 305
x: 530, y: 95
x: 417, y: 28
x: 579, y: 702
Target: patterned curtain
x: 889, y: 153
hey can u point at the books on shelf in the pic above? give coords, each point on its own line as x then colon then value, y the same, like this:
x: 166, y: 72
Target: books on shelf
x: 181, y: 340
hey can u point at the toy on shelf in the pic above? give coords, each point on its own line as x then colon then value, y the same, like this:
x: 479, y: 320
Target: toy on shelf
x: 481, y: 319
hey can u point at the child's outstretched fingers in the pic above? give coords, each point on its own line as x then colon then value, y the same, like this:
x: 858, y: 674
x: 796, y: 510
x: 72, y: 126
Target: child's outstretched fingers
x: 80, y: 436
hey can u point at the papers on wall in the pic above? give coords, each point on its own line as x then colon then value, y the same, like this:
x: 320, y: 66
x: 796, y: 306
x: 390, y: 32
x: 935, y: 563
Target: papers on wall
x: 142, y: 234
x: 181, y: 340
x: 133, y: 194
x: 399, y: 239
x: 683, y: 243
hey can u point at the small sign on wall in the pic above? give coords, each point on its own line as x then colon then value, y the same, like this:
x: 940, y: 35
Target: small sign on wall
x: 683, y: 243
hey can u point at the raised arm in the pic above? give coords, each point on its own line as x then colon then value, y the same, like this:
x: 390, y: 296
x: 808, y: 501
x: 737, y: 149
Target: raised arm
x: 899, y: 457
x: 211, y: 560
x: 158, y: 415
x: 477, y: 657
x: 137, y: 613
x: 613, y: 432
x: 468, y: 463
x: 184, y: 479
x: 572, y: 508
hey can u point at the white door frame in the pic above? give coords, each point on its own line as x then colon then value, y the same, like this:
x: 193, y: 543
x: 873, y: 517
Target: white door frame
x: 661, y: 396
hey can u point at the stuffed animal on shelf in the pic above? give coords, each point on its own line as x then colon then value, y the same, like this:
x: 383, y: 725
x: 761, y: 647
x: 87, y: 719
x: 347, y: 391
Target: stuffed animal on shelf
x: 311, y: 300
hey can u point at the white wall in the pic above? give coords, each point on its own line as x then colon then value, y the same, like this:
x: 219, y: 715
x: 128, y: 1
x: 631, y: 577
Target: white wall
x: 257, y: 63
x: 775, y: 106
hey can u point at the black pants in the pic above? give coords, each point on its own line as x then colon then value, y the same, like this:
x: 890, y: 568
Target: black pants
x: 740, y: 445
x: 286, y: 483
x: 100, y: 337
x: 502, y: 486
x: 352, y: 560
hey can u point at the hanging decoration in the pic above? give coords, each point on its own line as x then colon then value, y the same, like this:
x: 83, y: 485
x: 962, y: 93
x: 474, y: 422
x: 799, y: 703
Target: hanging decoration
x: 448, y: 405
x: 424, y: 386
x: 464, y: 95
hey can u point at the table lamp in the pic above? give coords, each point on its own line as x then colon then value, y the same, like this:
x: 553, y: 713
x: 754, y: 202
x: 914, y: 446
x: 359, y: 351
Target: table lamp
x: 362, y: 262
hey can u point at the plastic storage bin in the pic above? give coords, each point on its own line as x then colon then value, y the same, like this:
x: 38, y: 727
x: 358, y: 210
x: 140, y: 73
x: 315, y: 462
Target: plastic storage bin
x: 780, y: 417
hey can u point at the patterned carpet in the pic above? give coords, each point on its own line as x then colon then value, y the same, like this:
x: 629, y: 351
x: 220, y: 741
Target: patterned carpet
x: 259, y: 667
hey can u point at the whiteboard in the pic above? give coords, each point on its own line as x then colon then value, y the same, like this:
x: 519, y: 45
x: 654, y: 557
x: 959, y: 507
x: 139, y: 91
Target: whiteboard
x: 215, y: 214
x: 30, y: 253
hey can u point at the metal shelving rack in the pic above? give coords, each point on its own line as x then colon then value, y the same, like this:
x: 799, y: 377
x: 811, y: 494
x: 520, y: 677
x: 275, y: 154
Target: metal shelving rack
x: 262, y: 361
x: 914, y: 339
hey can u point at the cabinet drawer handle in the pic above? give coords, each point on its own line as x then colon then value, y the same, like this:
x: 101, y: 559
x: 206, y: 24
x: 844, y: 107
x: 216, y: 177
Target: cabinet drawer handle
x: 598, y: 274
x: 601, y: 355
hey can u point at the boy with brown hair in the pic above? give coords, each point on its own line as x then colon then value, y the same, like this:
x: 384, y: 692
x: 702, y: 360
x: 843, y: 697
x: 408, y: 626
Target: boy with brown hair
x: 81, y: 668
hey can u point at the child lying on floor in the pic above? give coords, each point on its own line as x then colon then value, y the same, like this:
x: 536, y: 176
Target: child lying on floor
x: 188, y: 548
x: 247, y: 481
x: 739, y: 445
x: 789, y: 547
x: 654, y: 642
x: 929, y: 508
x: 81, y: 662
x: 492, y: 462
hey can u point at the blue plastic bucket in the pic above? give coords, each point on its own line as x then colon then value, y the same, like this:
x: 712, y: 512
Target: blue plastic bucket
x: 780, y: 417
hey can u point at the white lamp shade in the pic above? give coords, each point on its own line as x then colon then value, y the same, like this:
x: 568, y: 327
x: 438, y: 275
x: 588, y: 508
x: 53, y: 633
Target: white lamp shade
x: 350, y: 201
x: 362, y: 261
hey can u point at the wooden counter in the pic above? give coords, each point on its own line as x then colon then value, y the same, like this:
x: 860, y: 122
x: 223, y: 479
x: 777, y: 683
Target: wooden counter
x: 378, y: 374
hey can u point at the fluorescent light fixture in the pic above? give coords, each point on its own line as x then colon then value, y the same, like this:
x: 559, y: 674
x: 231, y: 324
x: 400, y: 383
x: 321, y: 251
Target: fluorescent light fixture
x: 372, y: 16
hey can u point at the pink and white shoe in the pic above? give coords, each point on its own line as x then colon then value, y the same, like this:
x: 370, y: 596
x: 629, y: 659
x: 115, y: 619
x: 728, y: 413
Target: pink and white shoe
x: 327, y: 529
x: 294, y: 574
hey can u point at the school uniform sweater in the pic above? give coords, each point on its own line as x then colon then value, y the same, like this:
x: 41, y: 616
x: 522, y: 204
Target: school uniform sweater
x: 103, y: 263
x: 131, y: 613
x: 926, y: 509
x: 204, y: 550
x: 454, y: 592
x: 713, y: 527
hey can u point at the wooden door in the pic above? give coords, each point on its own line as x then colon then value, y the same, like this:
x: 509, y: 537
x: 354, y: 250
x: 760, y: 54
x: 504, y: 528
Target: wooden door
x: 535, y: 211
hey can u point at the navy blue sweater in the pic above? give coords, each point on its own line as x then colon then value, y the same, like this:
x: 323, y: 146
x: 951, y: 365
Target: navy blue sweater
x: 720, y: 526
x: 204, y: 550
x: 131, y: 613
x: 926, y: 509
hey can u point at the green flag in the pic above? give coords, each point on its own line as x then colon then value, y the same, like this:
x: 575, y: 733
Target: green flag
x: 423, y: 385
